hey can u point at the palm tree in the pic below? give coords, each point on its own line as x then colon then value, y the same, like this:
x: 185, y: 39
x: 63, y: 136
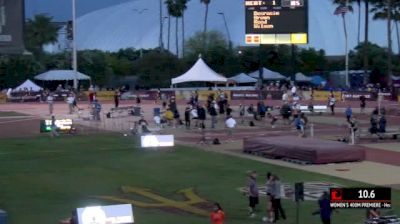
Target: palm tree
x: 40, y: 31
x: 365, y: 47
x: 206, y: 3
x: 384, y: 10
x: 161, y: 26
x: 182, y: 7
x: 359, y: 21
x: 175, y: 11
x: 170, y: 7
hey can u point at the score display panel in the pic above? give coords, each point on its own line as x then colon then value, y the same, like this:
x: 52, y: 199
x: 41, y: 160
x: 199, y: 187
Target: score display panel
x: 276, y: 21
x: 360, y: 198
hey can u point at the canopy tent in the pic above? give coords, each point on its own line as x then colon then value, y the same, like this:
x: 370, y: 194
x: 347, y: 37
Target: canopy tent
x: 200, y: 72
x: 61, y: 75
x: 268, y: 75
x: 242, y: 78
x: 300, y: 77
x: 318, y: 80
x: 28, y: 85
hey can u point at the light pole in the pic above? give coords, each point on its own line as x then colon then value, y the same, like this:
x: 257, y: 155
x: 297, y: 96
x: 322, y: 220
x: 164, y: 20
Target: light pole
x: 74, y: 53
x: 227, y: 29
x: 347, y: 46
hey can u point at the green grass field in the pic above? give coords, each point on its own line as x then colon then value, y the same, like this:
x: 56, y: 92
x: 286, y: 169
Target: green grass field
x: 43, y: 179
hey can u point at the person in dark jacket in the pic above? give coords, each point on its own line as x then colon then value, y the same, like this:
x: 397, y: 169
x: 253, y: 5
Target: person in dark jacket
x: 228, y: 110
x: 213, y: 114
x: 187, y: 117
x: 201, y: 112
x: 325, y: 210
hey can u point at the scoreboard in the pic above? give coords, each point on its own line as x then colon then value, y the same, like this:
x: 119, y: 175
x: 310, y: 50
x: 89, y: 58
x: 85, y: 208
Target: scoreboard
x: 276, y: 21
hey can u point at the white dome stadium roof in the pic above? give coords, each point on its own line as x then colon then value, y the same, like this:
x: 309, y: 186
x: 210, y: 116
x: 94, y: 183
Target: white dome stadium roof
x: 136, y: 24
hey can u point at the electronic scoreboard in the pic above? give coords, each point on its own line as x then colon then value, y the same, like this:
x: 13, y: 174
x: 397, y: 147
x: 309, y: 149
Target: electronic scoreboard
x: 276, y: 21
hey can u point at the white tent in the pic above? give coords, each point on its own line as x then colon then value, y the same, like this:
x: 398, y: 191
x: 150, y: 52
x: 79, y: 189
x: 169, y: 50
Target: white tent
x: 200, y: 72
x: 61, y: 75
x: 242, y: 78
x: 268, y: 75
x: 28, y: 85
x: 300, y: 77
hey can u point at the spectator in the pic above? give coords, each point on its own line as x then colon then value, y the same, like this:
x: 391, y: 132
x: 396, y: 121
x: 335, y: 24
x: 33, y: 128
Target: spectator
x: 187, y: 117
x: 242, y: 112
x: 117, y: 95
x: 332, y: 102
x: 70, y: 102
x: 253, y: 193
x: 228, y: 110
x: 96, y: 110
x: 213, y: 113
x: 276, y: 195
x: 217, y: 215
x: 374, y: 124
x: 349, y: 113
x: 50, y: 102
x: 270, y: 198
x: 362, y: 103
x: 143, y: 126
x: 230, y: 123
x: 325, y: 210
x: 201, y: 112
x: 382, y: 123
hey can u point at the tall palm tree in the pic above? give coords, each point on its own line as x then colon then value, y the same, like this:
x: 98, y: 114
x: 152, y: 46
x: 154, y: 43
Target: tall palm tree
x: 359, y: 21
x: 182, y: 8
x: 170, y: 7
x: 365, y: 47
x: 161, y: 42
x: 176, y: 12
x: 206, y: 3
x: 384, y: 10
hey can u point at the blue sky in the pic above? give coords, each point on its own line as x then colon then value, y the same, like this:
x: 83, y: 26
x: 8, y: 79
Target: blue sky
x: 326, y: 30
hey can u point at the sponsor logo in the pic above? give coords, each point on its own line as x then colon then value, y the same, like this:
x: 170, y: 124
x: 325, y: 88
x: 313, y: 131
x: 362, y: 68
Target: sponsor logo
x: 153, y: 200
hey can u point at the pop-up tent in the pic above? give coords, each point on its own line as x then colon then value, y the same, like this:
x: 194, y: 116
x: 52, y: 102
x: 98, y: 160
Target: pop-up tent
x: 268, y: 75
x: 200, y: 72
x: 28, y: 85
x: 242, y: 78
x: 61, y: 75
x: 318, y: 80
x: 300, y: 77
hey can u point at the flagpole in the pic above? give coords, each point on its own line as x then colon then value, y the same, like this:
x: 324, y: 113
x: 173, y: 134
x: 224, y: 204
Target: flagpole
x: 74, y: 53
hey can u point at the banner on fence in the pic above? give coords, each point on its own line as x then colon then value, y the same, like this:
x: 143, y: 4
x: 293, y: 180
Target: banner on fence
x: 323, y: 95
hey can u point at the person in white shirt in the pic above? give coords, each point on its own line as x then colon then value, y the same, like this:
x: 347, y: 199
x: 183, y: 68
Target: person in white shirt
x: 285, y: 97
x: 50, y: 102
x: 230, y: 123
x: 70, y: 102
x: 294, y: 90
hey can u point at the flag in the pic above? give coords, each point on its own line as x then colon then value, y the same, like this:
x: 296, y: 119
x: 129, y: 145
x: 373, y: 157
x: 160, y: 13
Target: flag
x: 341, y: 10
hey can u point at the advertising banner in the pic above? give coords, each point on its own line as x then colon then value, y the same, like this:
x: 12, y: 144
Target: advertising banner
x: 245, y: 95
x: 105, y: 95
x: 355, y: 96
x: 323, y: 95
x: 11, y: 26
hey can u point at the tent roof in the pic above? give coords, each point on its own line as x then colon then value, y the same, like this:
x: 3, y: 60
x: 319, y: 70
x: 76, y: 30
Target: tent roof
x: 243, y: 78
x: 317, y: 80
x: 200, y: 72
x: 28, y: 84
x: 61, y: 75
x: 300, y: 77
x: 268, y: 75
